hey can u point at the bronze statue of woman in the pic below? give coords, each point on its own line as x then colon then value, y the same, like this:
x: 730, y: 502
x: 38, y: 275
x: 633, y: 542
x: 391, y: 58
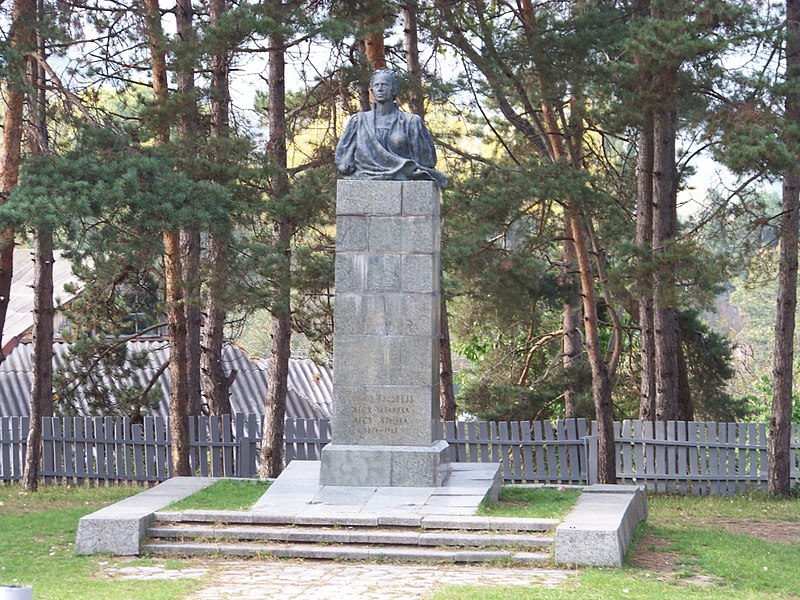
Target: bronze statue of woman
x: 385, y: 142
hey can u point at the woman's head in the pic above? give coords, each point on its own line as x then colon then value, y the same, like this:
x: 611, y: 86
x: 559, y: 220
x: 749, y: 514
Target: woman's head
x: 391, y: 76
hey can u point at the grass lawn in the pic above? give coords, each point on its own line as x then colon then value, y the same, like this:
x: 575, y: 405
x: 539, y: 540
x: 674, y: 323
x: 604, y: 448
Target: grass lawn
x: 37, y: 536
x: 227, y: 494
x: 531, y: 503
x: 691, y: 547
x: 742, y: 547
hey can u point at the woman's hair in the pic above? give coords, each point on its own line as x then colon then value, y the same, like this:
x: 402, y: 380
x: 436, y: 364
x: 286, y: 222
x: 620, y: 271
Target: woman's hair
x: 392, y: 77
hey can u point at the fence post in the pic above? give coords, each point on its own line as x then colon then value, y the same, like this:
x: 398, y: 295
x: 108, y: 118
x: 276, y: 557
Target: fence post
x: 590, y: 447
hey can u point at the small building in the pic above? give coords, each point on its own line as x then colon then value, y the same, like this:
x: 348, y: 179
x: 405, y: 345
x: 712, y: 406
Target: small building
x: 19, y: 317
x: 310, y: 385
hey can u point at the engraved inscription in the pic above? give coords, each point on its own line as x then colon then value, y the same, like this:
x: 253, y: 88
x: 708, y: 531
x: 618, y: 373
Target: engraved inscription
x: 380, y: 414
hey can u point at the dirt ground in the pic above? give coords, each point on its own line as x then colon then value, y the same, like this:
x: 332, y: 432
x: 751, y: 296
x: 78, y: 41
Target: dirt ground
x: 652, y: 556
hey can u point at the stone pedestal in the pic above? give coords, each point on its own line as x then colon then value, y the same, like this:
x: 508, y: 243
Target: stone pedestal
x: 386, y: 335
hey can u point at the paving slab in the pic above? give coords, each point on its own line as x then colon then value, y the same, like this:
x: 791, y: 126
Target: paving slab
x: 298, y: 492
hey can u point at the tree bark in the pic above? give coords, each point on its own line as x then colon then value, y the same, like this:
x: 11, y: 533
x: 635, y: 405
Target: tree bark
x: 571, y: 342
x: 780, y: 426
x: 278, y: 372
x: 190, y: 238
x: 20, y: 39
x: 601, y: 381
x: 685, y: 404
x: 176, y: 315
x: 41, y: 400
x: 374, y: 46
x: 665, y: 316
x: 215, y: 382
x: 416, y: 100
x: 644, y: 241
x: 447, y: 397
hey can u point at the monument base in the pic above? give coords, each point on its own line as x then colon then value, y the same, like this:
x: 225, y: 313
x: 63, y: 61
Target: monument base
x: 385, y: 466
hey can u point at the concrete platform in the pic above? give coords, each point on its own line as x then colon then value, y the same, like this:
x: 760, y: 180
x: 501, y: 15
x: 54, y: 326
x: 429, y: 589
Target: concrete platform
x: 120, y: 528
x: 599, y: 528
x: 297, y: 495
x: 596, y: 532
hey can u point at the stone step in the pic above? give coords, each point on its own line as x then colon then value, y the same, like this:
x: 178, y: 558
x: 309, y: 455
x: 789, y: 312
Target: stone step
x: 396, y: 536
x: 346, y: 552
x: 425, y: 522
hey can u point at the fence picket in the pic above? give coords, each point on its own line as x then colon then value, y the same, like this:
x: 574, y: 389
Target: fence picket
x: 483, y: 435
x: 214, y: 448
x: 504, y: 451
x: 574, y: 469
x: 552, y: 462
x: 682, y: 466
x: 625, y: 470
x: 527, y: 450
x: 671, y: 471
x: 227, y: 446
x: 472, y: 437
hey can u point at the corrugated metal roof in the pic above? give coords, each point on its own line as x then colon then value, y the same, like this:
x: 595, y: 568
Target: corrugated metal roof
x: 310, y: 386
x: 20, y: 308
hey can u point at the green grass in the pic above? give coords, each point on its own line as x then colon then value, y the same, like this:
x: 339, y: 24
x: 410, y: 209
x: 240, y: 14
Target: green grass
x: 37, y: 536
x: 227, y: 494
x: 705, y: 561
x: 531, y: 503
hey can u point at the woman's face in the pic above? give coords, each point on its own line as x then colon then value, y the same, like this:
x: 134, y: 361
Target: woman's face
x: 382, y: 87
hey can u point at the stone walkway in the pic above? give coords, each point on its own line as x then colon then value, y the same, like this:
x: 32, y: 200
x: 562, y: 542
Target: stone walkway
x: 284, y: 580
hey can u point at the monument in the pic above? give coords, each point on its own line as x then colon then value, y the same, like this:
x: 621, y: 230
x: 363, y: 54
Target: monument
x: 386, y: 329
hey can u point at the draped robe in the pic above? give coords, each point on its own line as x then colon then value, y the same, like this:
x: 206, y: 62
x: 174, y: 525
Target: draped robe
x: 403, y: 151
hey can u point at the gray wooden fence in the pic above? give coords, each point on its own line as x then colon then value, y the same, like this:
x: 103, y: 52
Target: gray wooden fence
x: 684, y: 457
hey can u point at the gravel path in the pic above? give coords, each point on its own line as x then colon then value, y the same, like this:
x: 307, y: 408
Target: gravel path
x: 283, y: 580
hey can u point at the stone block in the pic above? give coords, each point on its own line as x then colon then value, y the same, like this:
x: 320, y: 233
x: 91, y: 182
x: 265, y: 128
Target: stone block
x: 411, y: 314
x: 351, y: 234
x: 381, y: 415
x: 418, y: 365
x: 351, y: 272
x: 119, y: 529
x: 384, y: 466
x: 383, y: 273
x: 420, y: 274
x: 360, y: 314
x: 420, y: 198
x: 385, y: 234
x: 420, y: 235
x: 366, y: 360
x: 354, y: 197
x: 599, y: 528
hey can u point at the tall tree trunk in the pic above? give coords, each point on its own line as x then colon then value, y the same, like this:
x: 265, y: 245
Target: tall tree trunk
x: 416, y: 101
x: 665, y: 315
x: 41, y: 400
x: 644, y: 241
x: 779, y: 446
x: 278, y: 372
x: 372, y: 44
x: 190, y: 256
x: 373, y: 41
x: 20, y: 39
x: 685, y: 404
x: 176, y: 315
x: 571, y: 342
x: 601, y: 380
x: 447, y: 397
x: 215, y: 382
x: 190, y: 238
